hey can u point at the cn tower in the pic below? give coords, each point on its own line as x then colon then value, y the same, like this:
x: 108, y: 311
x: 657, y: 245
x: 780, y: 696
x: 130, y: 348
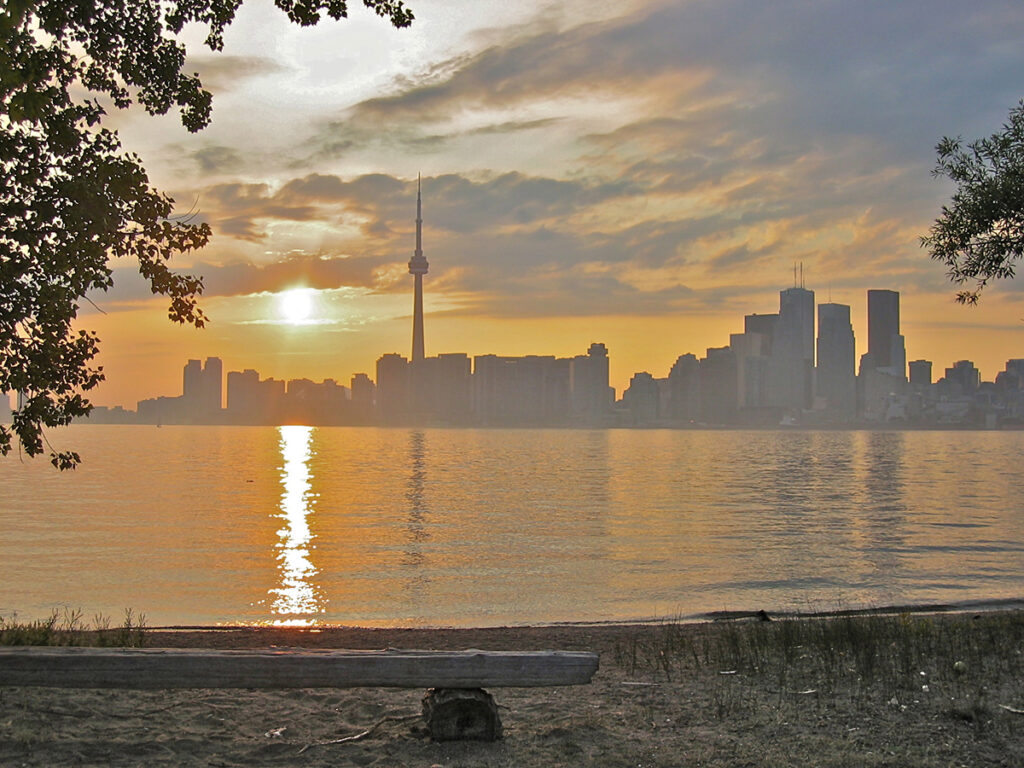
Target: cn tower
x: 418, y: 267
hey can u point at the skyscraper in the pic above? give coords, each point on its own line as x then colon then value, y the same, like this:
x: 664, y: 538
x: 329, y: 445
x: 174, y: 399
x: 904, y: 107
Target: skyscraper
x: 418, y: 268
x: 836, y: 381
x: 883, y: 327
x: 792, y: 350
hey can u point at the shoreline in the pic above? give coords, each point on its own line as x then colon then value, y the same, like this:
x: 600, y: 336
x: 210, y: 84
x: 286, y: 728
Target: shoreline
x: 874, y: 691
x: 966, y: 606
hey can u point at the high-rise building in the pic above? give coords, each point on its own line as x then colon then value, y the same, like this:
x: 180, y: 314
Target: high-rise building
x: 212, y: 389
x: 392, y: 388
x: 418, y: 268
x: 192, y: 381
x: 718, y: 382
x: 590, y: 394
x: 684, y: 389
x: 791, y: 370
x: 920, y: 373
x: 836, y: 381
x: 641, y: 397
x: 886, y: 350
x: 964, y: 375
x: 751, y: 369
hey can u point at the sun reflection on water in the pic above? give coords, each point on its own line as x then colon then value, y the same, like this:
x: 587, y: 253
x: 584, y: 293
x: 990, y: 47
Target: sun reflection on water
x: 296, y: 600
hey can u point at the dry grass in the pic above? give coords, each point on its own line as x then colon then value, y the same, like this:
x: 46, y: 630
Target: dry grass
x: 68, y: 628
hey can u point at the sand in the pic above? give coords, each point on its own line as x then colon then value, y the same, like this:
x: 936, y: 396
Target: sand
x: 631, y: 715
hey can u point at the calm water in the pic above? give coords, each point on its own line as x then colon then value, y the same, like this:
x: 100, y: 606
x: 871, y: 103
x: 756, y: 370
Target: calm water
x: 204, y: 525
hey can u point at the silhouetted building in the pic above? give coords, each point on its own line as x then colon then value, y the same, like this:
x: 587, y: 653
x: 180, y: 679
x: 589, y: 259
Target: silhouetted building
x: 836, y: 381
x: 751, y: 370
x: 964, y: 376
x: 885, y: 344
x: 920, y: 373
x: 392, y: 388
x: 718, y: 382
x: 521, y: 391
x: 791, y: 371
x: 364, y: 395
x: 591, y: 396
x: 642, y: 399
x: 684, y: 390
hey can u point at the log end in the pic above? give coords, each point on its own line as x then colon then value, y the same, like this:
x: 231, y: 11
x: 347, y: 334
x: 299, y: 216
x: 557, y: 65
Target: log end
x: 461, y: 714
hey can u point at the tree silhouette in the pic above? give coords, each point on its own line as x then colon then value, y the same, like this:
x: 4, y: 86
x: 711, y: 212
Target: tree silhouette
x: 70, y: 197
x: 980, y: 234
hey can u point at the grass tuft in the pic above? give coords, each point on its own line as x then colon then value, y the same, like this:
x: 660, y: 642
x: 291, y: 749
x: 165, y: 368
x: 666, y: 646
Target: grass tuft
x: 67, y: 628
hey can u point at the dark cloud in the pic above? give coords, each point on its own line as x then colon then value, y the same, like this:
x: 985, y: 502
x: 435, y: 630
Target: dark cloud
x: 222, y: 72
x: 240, y: 278
x: 217, y: 159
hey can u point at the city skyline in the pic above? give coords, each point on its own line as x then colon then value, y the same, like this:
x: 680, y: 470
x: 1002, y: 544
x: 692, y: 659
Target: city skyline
x: 796, y: 366
x: 630, y: 173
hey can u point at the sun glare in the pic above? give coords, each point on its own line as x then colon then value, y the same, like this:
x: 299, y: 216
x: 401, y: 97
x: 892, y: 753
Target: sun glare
x: 295, y: 305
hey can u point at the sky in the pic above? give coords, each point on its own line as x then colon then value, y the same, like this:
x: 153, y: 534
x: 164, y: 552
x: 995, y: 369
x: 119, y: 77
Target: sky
x: 639, y: 173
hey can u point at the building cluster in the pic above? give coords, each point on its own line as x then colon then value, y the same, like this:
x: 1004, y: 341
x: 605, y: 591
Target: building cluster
x: 778, y: 372
x: 449, y: 389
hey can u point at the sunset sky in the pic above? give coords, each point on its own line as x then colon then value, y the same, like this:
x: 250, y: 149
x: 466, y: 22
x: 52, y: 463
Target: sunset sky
x: 638, y: 173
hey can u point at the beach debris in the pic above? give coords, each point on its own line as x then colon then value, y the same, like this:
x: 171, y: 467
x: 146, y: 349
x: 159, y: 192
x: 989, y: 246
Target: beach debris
x: 727, y: 672
x: 959, y: 668
x: 1014, y: 710
x: 275, y: 733
x: 363, y: 734
x: 461, y: 714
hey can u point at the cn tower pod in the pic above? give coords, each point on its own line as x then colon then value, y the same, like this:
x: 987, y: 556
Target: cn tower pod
x: 418, y: 265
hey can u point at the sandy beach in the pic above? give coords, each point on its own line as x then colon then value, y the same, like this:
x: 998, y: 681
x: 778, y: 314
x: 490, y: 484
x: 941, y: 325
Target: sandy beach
x: 660, y: 698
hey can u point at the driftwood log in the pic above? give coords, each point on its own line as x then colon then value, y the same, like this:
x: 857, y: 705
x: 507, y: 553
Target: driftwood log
x: 456, y: 707
x: 155, y: 668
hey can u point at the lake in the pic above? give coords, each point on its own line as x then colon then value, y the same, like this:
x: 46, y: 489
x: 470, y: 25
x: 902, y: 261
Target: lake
x: 376, y: 526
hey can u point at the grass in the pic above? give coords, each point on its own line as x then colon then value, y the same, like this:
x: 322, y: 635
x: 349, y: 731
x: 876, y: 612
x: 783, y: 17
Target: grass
x: 68, y: 628
x: 950, y: 661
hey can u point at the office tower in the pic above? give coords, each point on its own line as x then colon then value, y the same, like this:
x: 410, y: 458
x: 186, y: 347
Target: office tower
x: 764, y: 326
x: 243, y: 393
x: 212, y: 388
x: 836, y: 382
x: 192, y: 382
x: 964, y: 374
x: 718, y: 382
x: 885, y: 345
x: 642, y: 398
x: 920, y: 373
x: 392, y: 388
x: 418, y: 268
x: 684, y: 389
x: 751, y: 368
x: 792, y: 351
x: 589, y: 392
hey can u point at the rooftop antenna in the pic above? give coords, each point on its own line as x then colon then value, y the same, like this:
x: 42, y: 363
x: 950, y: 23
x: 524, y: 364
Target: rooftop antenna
x: 801, y: 274
x: 794, y: 274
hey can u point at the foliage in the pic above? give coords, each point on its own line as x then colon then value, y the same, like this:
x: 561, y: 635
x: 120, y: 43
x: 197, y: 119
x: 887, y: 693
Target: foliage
x: 980, y: 235
x: 71, y: 199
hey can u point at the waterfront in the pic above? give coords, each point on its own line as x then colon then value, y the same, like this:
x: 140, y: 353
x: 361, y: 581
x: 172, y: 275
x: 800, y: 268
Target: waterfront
x: 212, y: 525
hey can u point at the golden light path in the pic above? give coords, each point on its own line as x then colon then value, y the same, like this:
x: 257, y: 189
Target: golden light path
x: 296, y: 601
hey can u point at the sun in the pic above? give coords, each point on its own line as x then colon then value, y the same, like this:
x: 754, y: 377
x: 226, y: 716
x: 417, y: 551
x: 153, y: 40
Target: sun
x: 295, y: 305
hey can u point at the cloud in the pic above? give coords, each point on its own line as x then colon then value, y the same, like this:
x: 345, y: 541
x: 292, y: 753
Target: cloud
x: 679, y: 155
